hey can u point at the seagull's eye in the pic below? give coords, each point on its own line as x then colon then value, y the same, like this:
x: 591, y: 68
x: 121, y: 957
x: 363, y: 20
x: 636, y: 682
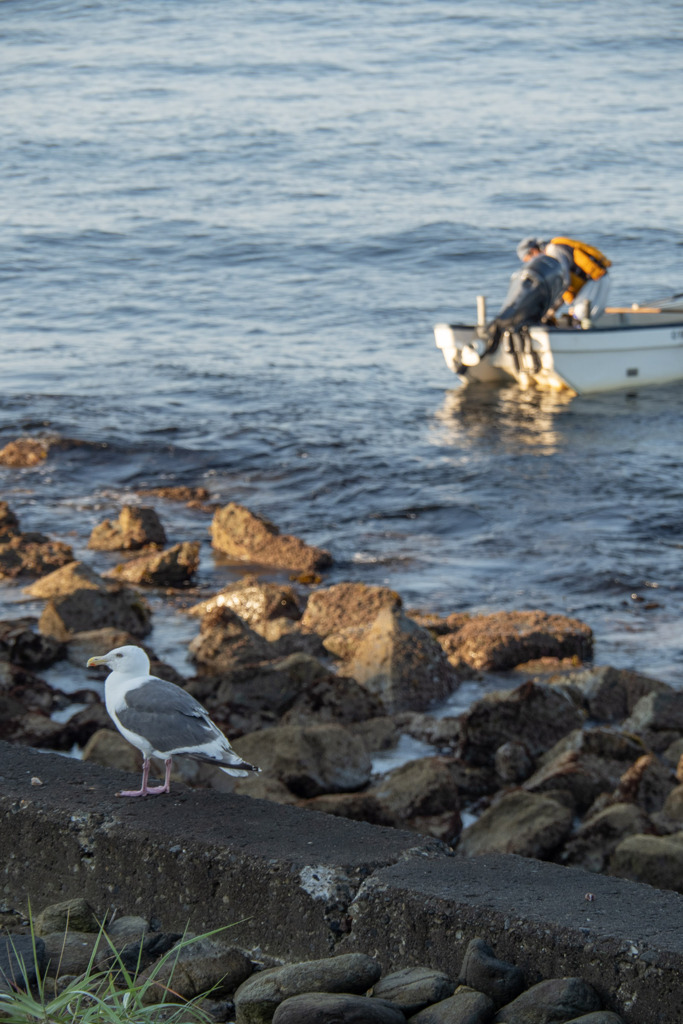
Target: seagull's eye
x: 119, y: 655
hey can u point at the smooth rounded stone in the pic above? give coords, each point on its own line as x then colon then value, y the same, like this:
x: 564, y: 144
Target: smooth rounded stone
x: 75, y: 915
x: 70, y: 952
x: 257, y: 999
x: 528, y: 824
x: 199, y: 966
x: 127, y: 928
x: 465, y: 1006
x: 557, y: 999
x: 656, y: 860
x: 482, y: 970
x: 19, y: 965
x: 414, y: 988
x: 599, y: 1017
x: 325, y: 1008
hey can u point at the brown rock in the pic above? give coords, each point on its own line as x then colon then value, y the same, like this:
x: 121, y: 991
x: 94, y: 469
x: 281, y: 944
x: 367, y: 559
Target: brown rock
x: 504, y: 639
x: 88, y: 608
x: 24, y: 452
x: 226, y: 642
x: 528, y: 824
x: 401, y: 664
x: 347, y: 606
x: 244, y: 536
x: 137, y: 527
x: 255, y: 601
x: 534, y: 714
x: 108, y: 748
x: 32, y: 554
x: 174, y: 567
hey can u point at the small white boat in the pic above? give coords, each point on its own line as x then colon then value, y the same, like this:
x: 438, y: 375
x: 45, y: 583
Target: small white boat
x: 625, y: 348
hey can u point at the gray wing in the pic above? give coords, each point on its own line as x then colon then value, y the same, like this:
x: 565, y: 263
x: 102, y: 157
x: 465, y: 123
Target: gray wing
x: 167, y: 716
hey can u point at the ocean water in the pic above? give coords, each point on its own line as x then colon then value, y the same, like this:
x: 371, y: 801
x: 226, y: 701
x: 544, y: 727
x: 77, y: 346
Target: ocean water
x: 227, y: 231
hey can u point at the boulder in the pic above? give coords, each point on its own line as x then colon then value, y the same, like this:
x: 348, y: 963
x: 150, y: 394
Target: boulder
x: 421, y: 796
x: 258, y: 603
x: 26, y: 648
x: 347, y: 606
x: 513, y: 762
x: 86, y: 609
x: 655, y: 860
x: 32, y: 554
x: 482, y: 970
x: 198, y: 966
x: 225, y: 642
x: 137, y: 527
x: 657, y: 711
x: 465, y: 1006
x: 70, y: 915
x: 554, y: 1000
x: 502, y: 640
x: 611, y: 694
x: 401, y: 664
x: 257, y: 999
x: 518, y: 822
x: 414, y: 988
x: 69, y: 953
x: 599, y: 835
x: 24, y: 452
x: 326, y: 1007
x: 108, y: 748
x: 78, y: 600
x: 587, y: 762
x: 535, y: 714
x: 195, y: 497
x: 22, y: 961
x: 174, y: 567
x: 245, y: 536
x: 309, y: 760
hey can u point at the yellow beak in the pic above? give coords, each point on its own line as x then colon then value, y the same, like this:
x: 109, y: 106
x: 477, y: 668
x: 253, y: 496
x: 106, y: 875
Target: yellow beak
x: 94, y: 661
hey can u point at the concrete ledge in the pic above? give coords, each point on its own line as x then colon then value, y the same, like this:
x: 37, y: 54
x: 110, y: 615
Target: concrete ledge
x: 304, y: 884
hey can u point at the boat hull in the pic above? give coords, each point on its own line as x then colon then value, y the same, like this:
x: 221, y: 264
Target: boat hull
x: 626, y: 350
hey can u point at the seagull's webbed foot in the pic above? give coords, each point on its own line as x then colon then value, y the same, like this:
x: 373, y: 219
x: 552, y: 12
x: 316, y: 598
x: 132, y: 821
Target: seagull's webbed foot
x: 146, y: 790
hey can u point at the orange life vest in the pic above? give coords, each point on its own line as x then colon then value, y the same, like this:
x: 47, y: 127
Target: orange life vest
x: 587, y: 263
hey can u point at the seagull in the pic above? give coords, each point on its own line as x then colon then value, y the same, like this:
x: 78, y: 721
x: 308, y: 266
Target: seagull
x: 161, y: 719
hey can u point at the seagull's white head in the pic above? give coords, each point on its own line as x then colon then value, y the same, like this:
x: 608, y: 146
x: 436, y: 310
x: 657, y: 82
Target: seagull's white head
x: 128, y: 660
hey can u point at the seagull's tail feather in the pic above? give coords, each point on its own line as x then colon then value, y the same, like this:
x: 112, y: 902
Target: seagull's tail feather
x: 241, y: 770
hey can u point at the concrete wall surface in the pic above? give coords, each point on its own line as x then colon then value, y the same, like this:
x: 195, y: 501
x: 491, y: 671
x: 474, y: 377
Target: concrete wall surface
x: 301, y: 885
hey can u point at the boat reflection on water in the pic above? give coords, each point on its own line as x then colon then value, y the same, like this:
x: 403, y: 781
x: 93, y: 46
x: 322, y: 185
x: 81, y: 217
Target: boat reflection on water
x: 506, y: 416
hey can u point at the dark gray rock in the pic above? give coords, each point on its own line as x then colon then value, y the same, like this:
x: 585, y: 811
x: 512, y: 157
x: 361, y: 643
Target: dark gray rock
x: 465, y: 1006
x: 258, y: 998
x: 481, y: 969
x: 550, y: 1002
x: 414, y: 988
x: 19, y: 964
x: 599, y: 1017
x: 325, y: 1008
x: 198, y: 966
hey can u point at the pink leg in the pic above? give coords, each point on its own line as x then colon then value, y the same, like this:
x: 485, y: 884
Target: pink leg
x: 146, y: 790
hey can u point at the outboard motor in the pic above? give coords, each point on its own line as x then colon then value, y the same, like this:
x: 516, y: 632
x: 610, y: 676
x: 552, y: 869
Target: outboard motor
x: 534, y: 289
x: 532, y: 292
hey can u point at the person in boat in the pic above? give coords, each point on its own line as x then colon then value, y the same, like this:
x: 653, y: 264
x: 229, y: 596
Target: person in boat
x: 585, y: 272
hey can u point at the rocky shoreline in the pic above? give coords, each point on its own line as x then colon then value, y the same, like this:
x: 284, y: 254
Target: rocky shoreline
x: 229, y: 983
x: 570, y: 762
